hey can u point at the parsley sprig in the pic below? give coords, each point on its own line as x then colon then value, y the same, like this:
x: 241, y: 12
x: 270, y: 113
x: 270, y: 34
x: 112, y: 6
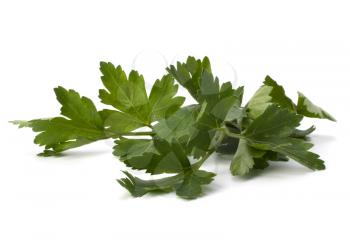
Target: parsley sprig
x: 155, y: 133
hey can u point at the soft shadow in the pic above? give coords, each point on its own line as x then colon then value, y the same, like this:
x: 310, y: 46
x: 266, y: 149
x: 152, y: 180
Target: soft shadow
x: 75, y: 154
x: 206, y: 190
x: 223, y: 157
x: 211, y: 189
x: 276, y: 170
x: 322, y: 138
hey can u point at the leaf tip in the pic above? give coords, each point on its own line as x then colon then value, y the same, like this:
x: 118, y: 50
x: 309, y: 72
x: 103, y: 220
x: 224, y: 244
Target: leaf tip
x: 20, y: 123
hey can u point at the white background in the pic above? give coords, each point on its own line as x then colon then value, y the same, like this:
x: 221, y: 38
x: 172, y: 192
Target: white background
x: 74, y: 201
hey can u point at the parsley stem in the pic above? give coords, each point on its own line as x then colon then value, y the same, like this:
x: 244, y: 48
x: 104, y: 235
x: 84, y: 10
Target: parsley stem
x: 233, y: 135
x: 138, y: 134
x: 200, y: 162
x: 114, y: 135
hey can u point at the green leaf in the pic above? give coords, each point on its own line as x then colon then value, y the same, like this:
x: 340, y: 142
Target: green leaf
x: 191, y: 186
x: 61, y: 130
x: 127, y: 149
x: 155, y: 156
x: 272, y: 130
x: 120, y: 123
x: 274, y: 122
x: 38, y: 125
x: 187, y: 186
x: 248, y: 158
x: 192, y: 74
x: 80, y: 109
x: 162, y: 101
x: 138, y: 187
x: 128, y: 94
x: 278, y: 94
x: 158, y: 156
x: 306, y: 108
x: 269, y: 93
x: 179, y: 126
x: 260, y: 101
x: 82, y: 125
x: 228, y: 106
x: 243, y: 160
x: 210, y: 121
x: 236, y: 114
x: 297, y: 150
x: 212, y: 117
x: 196, y: 76
x: 216, y: 104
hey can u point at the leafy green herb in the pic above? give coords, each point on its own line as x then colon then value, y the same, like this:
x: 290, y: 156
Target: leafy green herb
x: 156, y: 134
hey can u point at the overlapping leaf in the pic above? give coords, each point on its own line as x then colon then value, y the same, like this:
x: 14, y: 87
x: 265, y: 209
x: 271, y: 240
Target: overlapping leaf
x: 245, y: 159
x: 178, y: 140
x: 273, y: 93
x: 217, y: 104
x: 272, y: 131
x: 187, y: 185
x: 269, y: 93
x: 155, y: 156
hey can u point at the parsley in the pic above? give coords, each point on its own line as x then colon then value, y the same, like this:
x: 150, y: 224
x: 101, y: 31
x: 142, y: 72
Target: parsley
x: 155, y: 133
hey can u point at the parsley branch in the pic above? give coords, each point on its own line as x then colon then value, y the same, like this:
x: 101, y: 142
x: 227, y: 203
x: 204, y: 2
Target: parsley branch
x: 254, y: 134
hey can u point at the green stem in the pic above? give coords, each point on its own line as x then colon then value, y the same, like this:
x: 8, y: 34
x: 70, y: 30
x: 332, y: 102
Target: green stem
x: 233, y: 135
x: 200, y: 162
x: 114, y: 135
x: 138, y: 134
